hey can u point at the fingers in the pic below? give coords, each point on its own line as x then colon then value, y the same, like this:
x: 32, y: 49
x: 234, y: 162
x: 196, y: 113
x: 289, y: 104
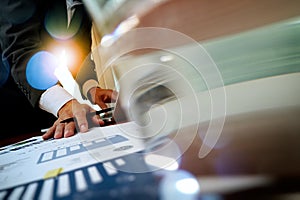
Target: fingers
x: 79, y: 112
x: 76, y: 110
x: 81, y: 121
x: 101, y: 104
x: 102, y: 96
x: 49, y: 133
x: 65, y: 130
x: 97, y: 121
x: 60, y: 130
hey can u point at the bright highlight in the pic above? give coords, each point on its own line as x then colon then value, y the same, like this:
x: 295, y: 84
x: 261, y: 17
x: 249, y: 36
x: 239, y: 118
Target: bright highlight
x: 187, y: 186
x: 162, y: 162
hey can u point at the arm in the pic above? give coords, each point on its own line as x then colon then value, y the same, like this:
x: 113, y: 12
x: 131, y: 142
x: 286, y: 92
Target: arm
x: 90, y: 89
x: 19, y: 38
x: 22, y: 35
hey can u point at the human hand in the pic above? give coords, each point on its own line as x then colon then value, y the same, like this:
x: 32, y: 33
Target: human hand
x: 72, y: 109
x: 101, y: 96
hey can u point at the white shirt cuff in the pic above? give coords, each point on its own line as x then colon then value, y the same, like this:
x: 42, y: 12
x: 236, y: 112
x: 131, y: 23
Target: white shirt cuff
x: 88, y: 85
x: 53, y: 99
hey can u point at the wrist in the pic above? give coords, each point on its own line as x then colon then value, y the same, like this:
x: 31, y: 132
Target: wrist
x: 66, y: 106
x: 91, y: 94
x: 53, y: 99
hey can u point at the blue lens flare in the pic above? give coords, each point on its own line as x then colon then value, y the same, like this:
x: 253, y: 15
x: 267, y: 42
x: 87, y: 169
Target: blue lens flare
x: 40, y: 70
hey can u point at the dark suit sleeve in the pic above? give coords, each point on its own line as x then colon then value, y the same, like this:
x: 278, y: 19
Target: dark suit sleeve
x: 85, y: 73
x: 20, y: 39
x: 87, y: 69
x: 23, y: 34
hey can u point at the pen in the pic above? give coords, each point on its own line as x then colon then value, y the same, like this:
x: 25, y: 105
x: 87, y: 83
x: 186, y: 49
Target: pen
x: 89, y: 114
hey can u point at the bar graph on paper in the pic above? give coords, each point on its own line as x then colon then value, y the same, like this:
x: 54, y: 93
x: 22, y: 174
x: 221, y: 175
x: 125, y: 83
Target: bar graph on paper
x: 60, y: 169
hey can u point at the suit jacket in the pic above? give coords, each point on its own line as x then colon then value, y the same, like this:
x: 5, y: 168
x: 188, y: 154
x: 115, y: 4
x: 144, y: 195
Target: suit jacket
x: 30, y: 26
x: 23, y: 32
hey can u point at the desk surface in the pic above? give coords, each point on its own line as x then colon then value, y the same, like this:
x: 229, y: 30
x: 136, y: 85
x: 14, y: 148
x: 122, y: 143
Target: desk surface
x: 17, y: 138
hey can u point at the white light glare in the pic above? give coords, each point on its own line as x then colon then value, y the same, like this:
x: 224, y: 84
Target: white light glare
x: 64, y: 75
x: 166, y: 58
x: 188, y: 186
x: 65, y: 55
x: 162, y: 162
x: 122, y: 28
x: 179, y: 185
x: 63, y: 58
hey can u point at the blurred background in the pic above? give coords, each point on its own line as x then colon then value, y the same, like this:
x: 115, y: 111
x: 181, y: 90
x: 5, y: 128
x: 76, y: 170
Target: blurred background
x: 228, y: 95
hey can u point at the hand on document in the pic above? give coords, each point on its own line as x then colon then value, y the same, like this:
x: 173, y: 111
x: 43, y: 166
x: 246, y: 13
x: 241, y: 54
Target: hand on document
x: 79, y: 111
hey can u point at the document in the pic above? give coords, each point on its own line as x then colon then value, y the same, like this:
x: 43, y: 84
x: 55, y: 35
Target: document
x: 35, y: 159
